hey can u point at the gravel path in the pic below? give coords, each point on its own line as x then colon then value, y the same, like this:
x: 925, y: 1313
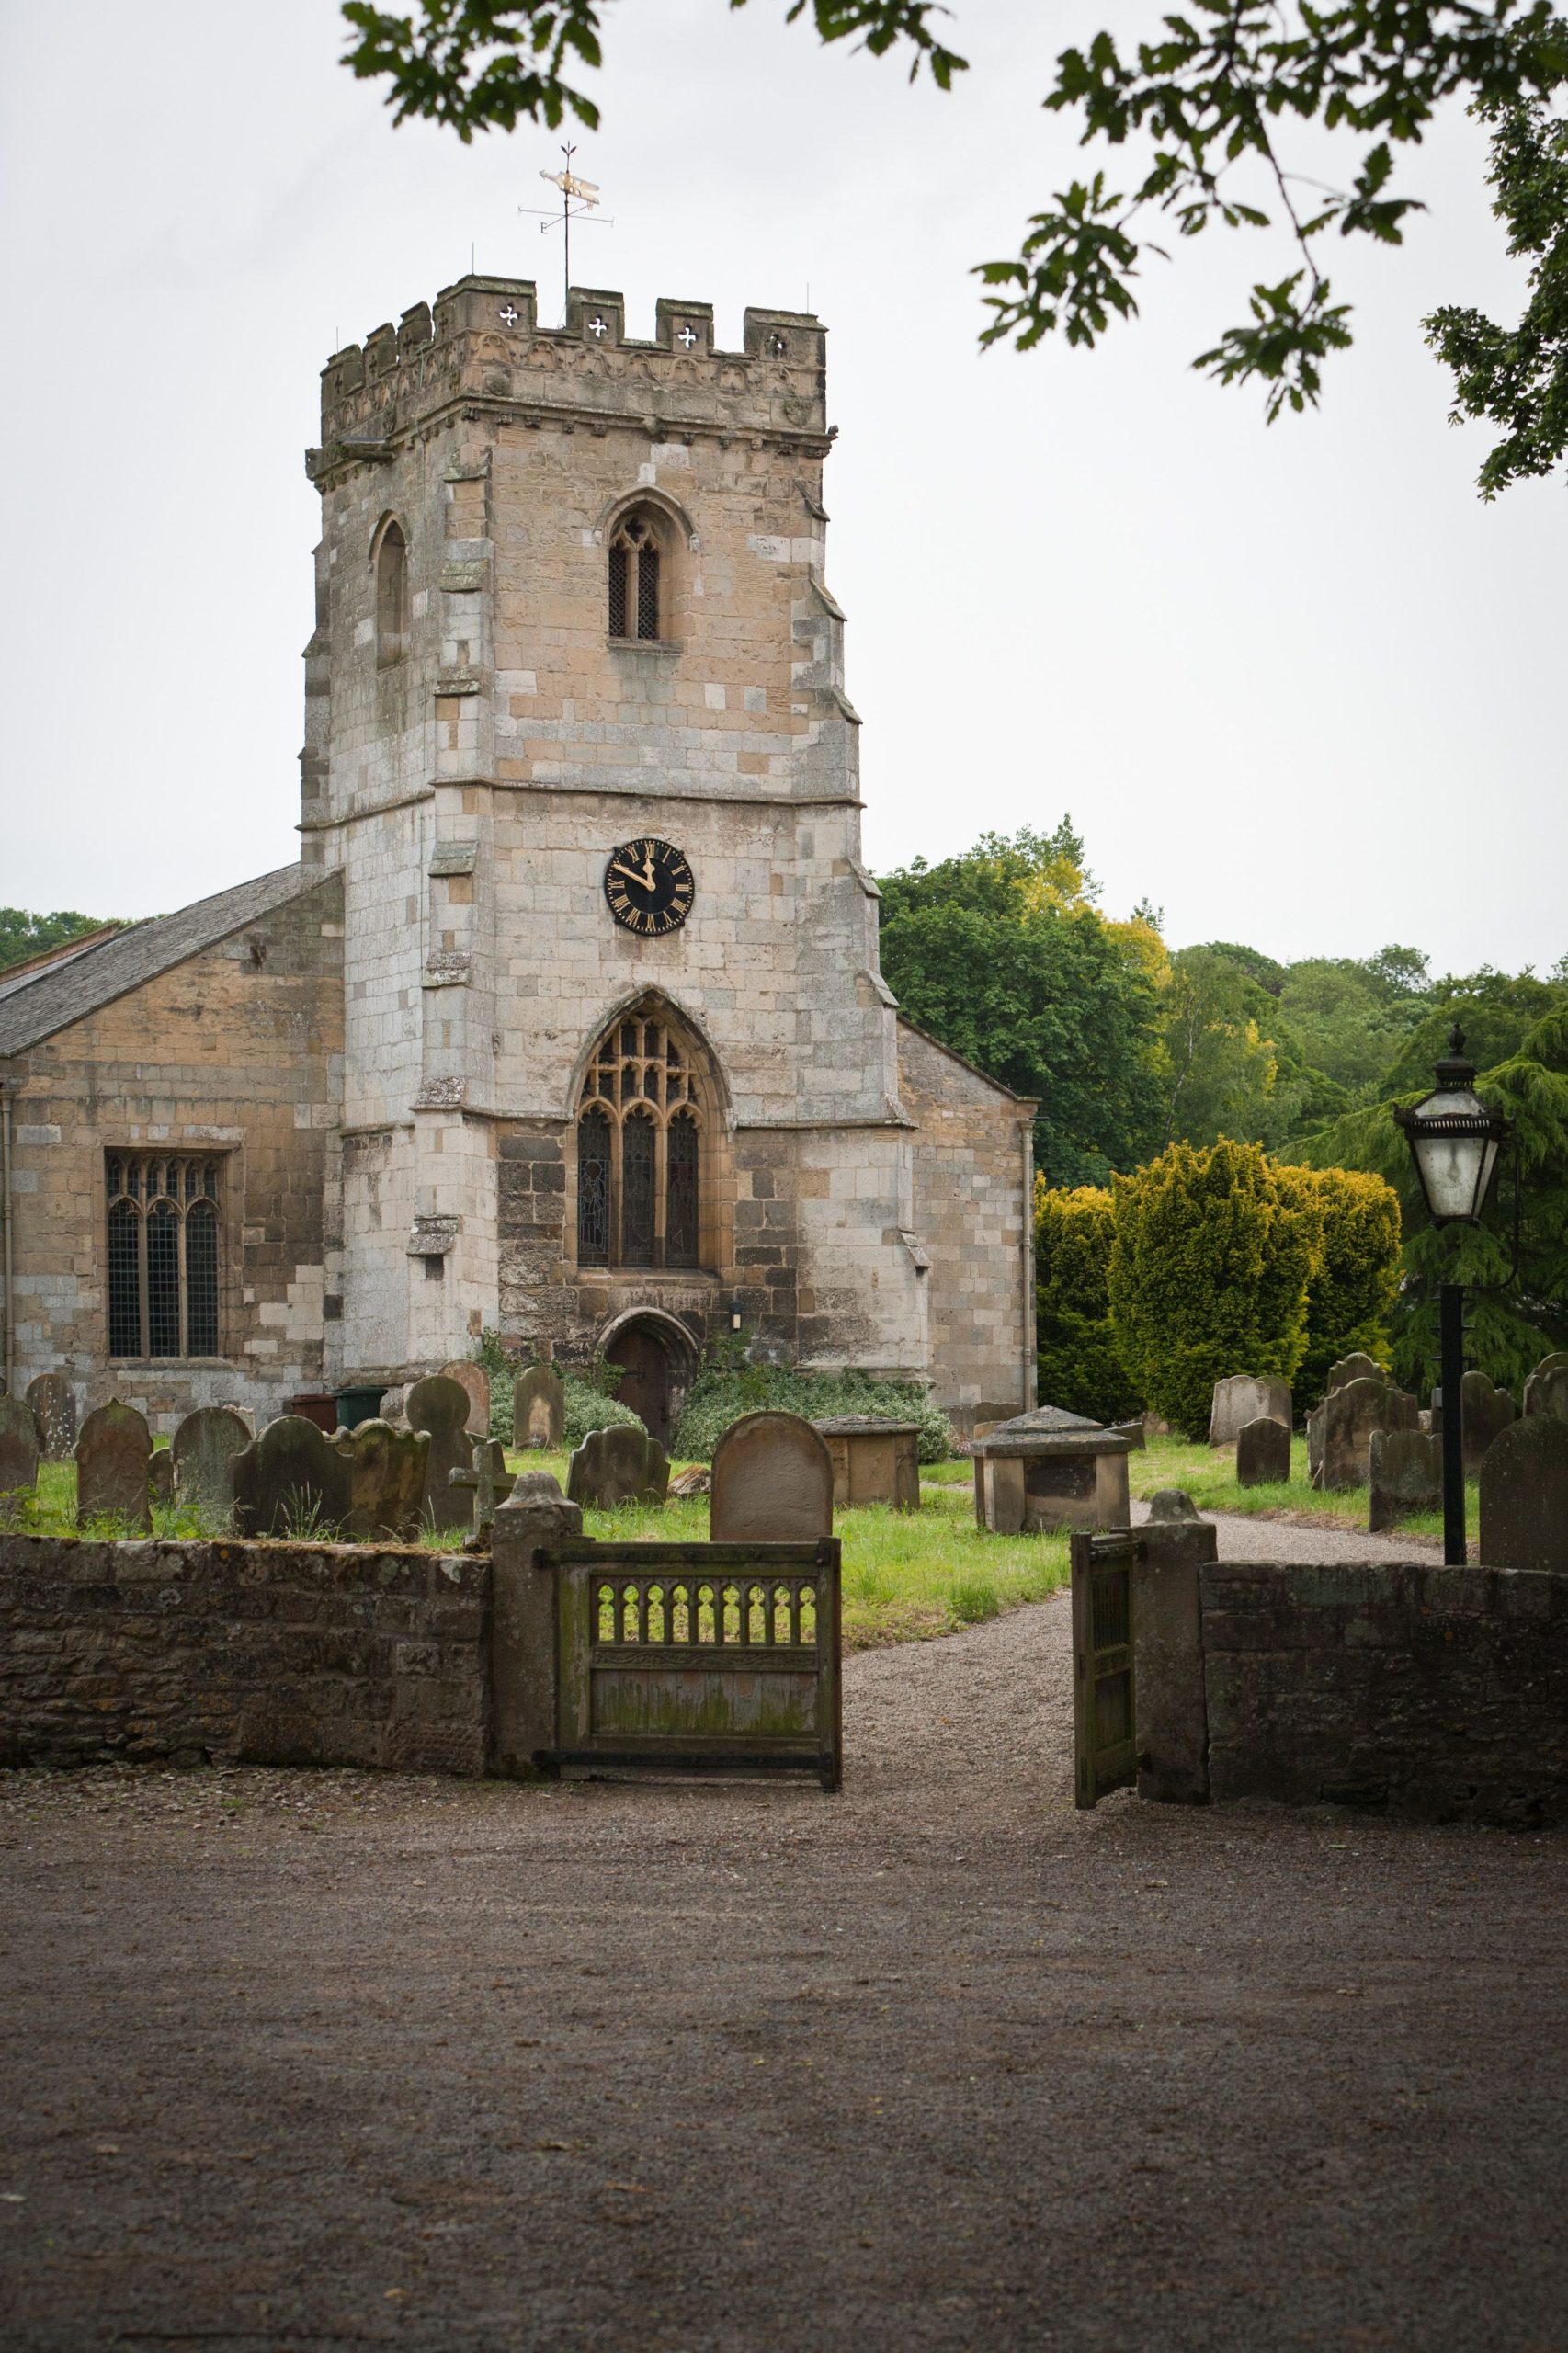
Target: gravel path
x: 301, y: 2061
x: 1246, y: 1538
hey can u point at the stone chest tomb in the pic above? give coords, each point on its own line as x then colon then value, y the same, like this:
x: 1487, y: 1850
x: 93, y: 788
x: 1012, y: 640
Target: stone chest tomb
x: 1050, y: 1469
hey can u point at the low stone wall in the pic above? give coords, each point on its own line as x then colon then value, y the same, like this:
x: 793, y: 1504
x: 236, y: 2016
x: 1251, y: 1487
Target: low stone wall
x: 1440, y: 1692
x: 274, y: 1652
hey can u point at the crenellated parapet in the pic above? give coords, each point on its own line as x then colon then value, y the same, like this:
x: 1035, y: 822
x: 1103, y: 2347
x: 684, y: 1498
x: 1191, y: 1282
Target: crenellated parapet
x: 481, y: 352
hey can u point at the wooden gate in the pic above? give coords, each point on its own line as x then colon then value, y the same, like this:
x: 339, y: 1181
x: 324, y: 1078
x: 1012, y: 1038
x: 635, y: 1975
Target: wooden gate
x: 698, y: 1655
x: 1104, y: 1699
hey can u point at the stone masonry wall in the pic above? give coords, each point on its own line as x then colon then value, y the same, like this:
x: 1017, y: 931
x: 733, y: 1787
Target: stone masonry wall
x: 236, y: 1051
x: 1441, y: 1692
x: 277, y: 1654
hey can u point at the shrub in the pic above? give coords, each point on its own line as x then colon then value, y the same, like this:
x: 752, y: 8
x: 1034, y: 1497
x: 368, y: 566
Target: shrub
x: 1208, y: 1275
x: 1355, y: 1273
x: 1079, y: 1367
x: 727, y: 1386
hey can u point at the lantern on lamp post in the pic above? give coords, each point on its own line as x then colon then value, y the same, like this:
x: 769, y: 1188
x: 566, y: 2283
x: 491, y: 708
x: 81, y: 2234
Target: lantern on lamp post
x: 1454, y: 1141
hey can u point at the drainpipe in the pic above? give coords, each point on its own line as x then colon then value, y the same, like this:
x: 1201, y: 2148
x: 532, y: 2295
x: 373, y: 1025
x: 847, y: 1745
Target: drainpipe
x: 1030, y: 1367
x: 8, y: 1255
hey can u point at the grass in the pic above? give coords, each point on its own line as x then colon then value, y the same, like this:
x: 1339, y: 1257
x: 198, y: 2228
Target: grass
x: 1209, y: 1475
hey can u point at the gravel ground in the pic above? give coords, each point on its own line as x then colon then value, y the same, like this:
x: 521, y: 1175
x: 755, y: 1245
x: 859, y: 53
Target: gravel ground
x: 299, y: 2061
x: 1243, y: 1537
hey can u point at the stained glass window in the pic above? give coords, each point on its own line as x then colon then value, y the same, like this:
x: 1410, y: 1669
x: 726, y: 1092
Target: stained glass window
x: 593, y: 1189
x: 637, y: 1154
x: 680, y: 1226
x: 639, y: 1193
x: 163, y: 1255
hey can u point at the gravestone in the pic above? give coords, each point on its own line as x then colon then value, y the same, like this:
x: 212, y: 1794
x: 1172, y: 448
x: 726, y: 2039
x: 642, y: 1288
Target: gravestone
x: 1404, y: 1475
x: 539, y: 1408
x: 203, y: 1454
x: 1172, y: 1504
x: 161, y: 1477
x: 112, y: 1454
x: 20, y: 1445
x: 1487, y: 1412
x: 440, y: 1407
x: 489, y: 1483
x: 292, y: 1481
x: 1524, y: 1496
x: 1263, y: 1452
x: 697, y: 1480
x: 1246, y: 1397
x: 1546, y: 1391
x: 1356, y: 1367
x: 874, y: 1460
x: 619, y: 1465
x: 386, y: 1480
x: 772, y: 1482
x: 1350, y: 1415
x: 473, y: 1377
x: 53, y: 1399
x: 392, y: 1405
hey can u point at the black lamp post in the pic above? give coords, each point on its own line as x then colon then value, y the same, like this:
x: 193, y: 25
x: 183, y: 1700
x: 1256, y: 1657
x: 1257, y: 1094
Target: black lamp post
x: 1454, y: 1141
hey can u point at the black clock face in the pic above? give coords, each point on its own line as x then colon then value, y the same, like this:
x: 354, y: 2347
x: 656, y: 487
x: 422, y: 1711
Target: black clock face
x: 648, y: 885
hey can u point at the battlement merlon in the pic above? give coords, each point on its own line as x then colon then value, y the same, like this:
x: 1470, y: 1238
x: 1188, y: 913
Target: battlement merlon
x: 482, y: 350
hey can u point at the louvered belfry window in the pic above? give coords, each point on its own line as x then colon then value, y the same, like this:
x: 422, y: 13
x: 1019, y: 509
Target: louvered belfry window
x: 161, y: 1259
x: 639, y: 1150
x: 634, y: 568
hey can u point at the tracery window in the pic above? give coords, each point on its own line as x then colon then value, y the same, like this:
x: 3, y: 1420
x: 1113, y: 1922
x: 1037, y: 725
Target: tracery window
x: 634, y: 568
x: 163, y: 1254
x: 391, y: 596
x: 639, y: 1150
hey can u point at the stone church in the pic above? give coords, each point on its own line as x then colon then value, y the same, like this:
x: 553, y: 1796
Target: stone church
x: 569, y: 1021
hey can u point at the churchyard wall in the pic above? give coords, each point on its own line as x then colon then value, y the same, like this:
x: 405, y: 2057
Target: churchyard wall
x: 274, y: 1652
x: 235, y: 1052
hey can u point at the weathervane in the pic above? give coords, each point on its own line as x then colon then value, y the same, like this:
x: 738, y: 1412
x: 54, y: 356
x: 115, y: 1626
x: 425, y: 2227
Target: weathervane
x: 578, y: 199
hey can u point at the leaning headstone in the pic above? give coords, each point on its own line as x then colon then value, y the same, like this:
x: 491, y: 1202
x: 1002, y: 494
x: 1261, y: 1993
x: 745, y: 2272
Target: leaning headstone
x: 160, y: 1478
x: 112, y: 1454
x: 1354, y: 1367
x: 1263, y: 1453
x: 619, y: 1465
x: 1172, y: 1504
x: 1350, y: 1415
x: 20, y: 1445
x: 1487, y: 1412
x: 772, y: 1482
x: 53, y: 1399
x: 440, y: 1407
x: 1404, y: 1475
x: 203, y: 1455
x: 1246, y: 1397
x: 386, y: 1480
x: 1524, y: 1496
x: 539, y: 1407
x: 1546, y: 1391
x: 292, y: 1481
x: 489, y: 1483
x: 697, y: 1480
x: 473, y: 1377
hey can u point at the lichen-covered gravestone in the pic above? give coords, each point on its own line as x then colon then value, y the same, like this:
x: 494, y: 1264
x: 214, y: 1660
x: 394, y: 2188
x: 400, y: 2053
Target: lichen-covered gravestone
x: 1488, y: 1411
x: 20, y: 1445
x: 53, y: 1399
x: 1524, y: 1496
x: 292, y: 1481
x: 440, y: 1408
x: 1404, y: 1475
x: 1246, y: 1397
x: 1263, y: 1452
x: 473, y: 1377
x: 1546, y: 1391
x: 489, y: 1483
x: 620, y: 1465
x: 1349, y: 1416
x: 386, y: 1480
x: 203, y: 1451
x: 772, y: 1482
x: 539, y: 1407
x: 112, y: 1455
x: 1354, y: 1367
x: 1172, y: 1505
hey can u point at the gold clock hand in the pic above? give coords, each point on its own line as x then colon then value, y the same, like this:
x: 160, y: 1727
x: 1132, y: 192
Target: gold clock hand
x: 643, y: 881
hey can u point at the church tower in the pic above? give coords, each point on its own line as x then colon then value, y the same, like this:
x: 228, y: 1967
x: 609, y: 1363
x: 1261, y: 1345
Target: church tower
x: 620, y: 1070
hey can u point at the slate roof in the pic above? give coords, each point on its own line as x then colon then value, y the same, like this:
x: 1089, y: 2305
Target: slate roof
x: 35, y: 1004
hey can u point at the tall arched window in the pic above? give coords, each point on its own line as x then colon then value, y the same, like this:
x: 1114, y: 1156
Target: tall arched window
x: 636, y: 599
x: 640, y: 1145
x: 391, y: 595
x: 162, y: 1254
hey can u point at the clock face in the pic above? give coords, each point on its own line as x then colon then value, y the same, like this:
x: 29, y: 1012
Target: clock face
x: 648, y: 885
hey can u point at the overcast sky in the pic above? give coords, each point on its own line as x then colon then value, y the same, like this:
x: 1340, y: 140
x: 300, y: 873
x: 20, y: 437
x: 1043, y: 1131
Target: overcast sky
x: 1298, y: 686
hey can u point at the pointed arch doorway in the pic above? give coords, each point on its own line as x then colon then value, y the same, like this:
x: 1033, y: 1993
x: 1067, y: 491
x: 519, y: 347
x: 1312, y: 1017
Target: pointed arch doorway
x: 657, y: 1357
